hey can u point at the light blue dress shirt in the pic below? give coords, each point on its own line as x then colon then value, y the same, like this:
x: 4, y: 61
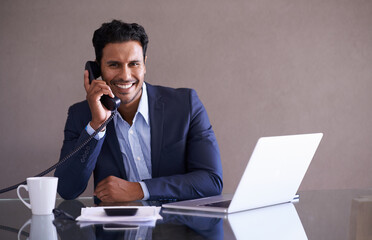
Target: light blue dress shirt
x: 135, y: 143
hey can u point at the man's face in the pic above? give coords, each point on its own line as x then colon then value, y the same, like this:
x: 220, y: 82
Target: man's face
x: 123, y: 69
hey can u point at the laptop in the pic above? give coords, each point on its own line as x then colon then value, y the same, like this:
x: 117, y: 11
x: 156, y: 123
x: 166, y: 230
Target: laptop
x: 272, y: 176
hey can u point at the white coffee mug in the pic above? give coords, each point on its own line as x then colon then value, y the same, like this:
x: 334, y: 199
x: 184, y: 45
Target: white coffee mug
x: 41, y: 228
x: 42, y: 192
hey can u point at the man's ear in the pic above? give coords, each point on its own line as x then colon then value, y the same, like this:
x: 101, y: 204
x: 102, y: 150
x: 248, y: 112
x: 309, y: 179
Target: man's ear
x: 145, y: 63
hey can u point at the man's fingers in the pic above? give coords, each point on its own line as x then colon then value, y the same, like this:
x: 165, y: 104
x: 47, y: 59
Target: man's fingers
x: 106, y: 90
x: 94, y: 85
x: 101, y: 186
x: 111, y: 94
x: 114, y: 189
x: 96, y: 90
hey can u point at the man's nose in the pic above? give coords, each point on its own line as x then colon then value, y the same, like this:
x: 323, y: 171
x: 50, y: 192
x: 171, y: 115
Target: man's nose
x: 125, y: 73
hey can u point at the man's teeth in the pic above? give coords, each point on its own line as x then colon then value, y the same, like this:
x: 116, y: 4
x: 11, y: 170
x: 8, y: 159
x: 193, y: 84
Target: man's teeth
x: 124, y: 86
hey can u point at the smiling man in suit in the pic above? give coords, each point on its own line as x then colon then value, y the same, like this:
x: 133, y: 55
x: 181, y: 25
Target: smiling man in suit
x: 160, y: 144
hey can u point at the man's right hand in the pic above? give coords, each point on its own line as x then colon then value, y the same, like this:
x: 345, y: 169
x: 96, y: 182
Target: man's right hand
x: 95, y: 91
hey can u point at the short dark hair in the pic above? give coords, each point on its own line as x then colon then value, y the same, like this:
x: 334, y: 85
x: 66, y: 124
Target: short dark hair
x: 117, y: 31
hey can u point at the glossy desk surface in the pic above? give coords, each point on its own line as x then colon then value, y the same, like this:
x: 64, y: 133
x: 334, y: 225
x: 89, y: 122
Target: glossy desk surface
x: 321, y: 214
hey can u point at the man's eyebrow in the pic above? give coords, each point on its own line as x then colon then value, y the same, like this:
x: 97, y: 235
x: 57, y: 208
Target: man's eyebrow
x: 111, y: 62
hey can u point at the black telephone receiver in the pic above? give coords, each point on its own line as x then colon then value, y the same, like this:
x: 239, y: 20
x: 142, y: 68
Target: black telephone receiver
x: 95, y: 72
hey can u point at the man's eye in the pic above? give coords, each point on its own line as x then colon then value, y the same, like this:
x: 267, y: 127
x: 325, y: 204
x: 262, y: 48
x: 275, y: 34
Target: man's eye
x: 113, y: 65
x: 133, y: 64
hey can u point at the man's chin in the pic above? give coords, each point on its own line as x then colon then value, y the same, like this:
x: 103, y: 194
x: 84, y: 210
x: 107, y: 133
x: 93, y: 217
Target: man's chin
x: 127, y: 99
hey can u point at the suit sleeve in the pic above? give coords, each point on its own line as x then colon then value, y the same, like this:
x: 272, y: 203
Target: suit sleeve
x: 203, y: 169
x: 74, y: 174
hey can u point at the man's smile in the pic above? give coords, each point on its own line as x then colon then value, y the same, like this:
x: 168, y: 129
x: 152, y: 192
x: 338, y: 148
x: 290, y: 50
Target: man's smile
x: 124, y: 86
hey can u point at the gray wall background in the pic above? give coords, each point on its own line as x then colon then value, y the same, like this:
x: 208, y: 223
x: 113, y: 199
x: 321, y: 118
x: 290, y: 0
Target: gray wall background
x: 260, y: 67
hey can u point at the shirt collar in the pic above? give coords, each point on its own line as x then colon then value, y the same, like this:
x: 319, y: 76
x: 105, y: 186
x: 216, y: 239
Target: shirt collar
x: 143, y: 106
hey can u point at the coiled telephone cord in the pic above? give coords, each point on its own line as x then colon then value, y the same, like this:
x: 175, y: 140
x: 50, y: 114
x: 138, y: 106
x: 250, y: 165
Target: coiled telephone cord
x: 68, y: 156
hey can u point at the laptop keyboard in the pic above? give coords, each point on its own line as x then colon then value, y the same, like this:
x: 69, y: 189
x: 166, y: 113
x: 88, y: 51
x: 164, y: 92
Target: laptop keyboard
x: 223, y: 204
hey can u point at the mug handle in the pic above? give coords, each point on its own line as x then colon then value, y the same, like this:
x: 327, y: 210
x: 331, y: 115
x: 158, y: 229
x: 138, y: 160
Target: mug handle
x: 19, y: 195
x: 21, y: 229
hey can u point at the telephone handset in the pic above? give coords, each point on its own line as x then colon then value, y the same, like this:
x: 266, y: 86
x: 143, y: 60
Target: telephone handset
x: 95, y: 72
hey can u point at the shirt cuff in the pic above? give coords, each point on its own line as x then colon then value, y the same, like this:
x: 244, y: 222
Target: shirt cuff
x: 146, y: 194
x: 90, y: 131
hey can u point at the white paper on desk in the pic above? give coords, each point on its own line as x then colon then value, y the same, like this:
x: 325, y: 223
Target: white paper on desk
x: 144, y: 214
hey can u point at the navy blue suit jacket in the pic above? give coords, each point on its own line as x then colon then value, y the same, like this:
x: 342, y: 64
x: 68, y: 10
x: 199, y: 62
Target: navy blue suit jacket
x: 185, y: 156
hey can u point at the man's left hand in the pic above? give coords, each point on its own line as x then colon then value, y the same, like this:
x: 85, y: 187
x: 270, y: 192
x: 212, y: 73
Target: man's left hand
x: 114, y: 189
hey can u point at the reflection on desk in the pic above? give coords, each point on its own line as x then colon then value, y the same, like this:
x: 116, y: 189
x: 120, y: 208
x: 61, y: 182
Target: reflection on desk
x: 181, y: 227
x: 322, y: 214
x: 274, y: 222
x: 41, y: 228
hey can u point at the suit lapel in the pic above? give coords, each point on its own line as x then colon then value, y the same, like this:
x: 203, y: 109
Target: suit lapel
x: 156, y: 112
x: 113, y: 143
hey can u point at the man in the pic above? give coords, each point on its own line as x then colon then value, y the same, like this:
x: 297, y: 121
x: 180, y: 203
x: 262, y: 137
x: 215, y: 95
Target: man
x: 160, y: 144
